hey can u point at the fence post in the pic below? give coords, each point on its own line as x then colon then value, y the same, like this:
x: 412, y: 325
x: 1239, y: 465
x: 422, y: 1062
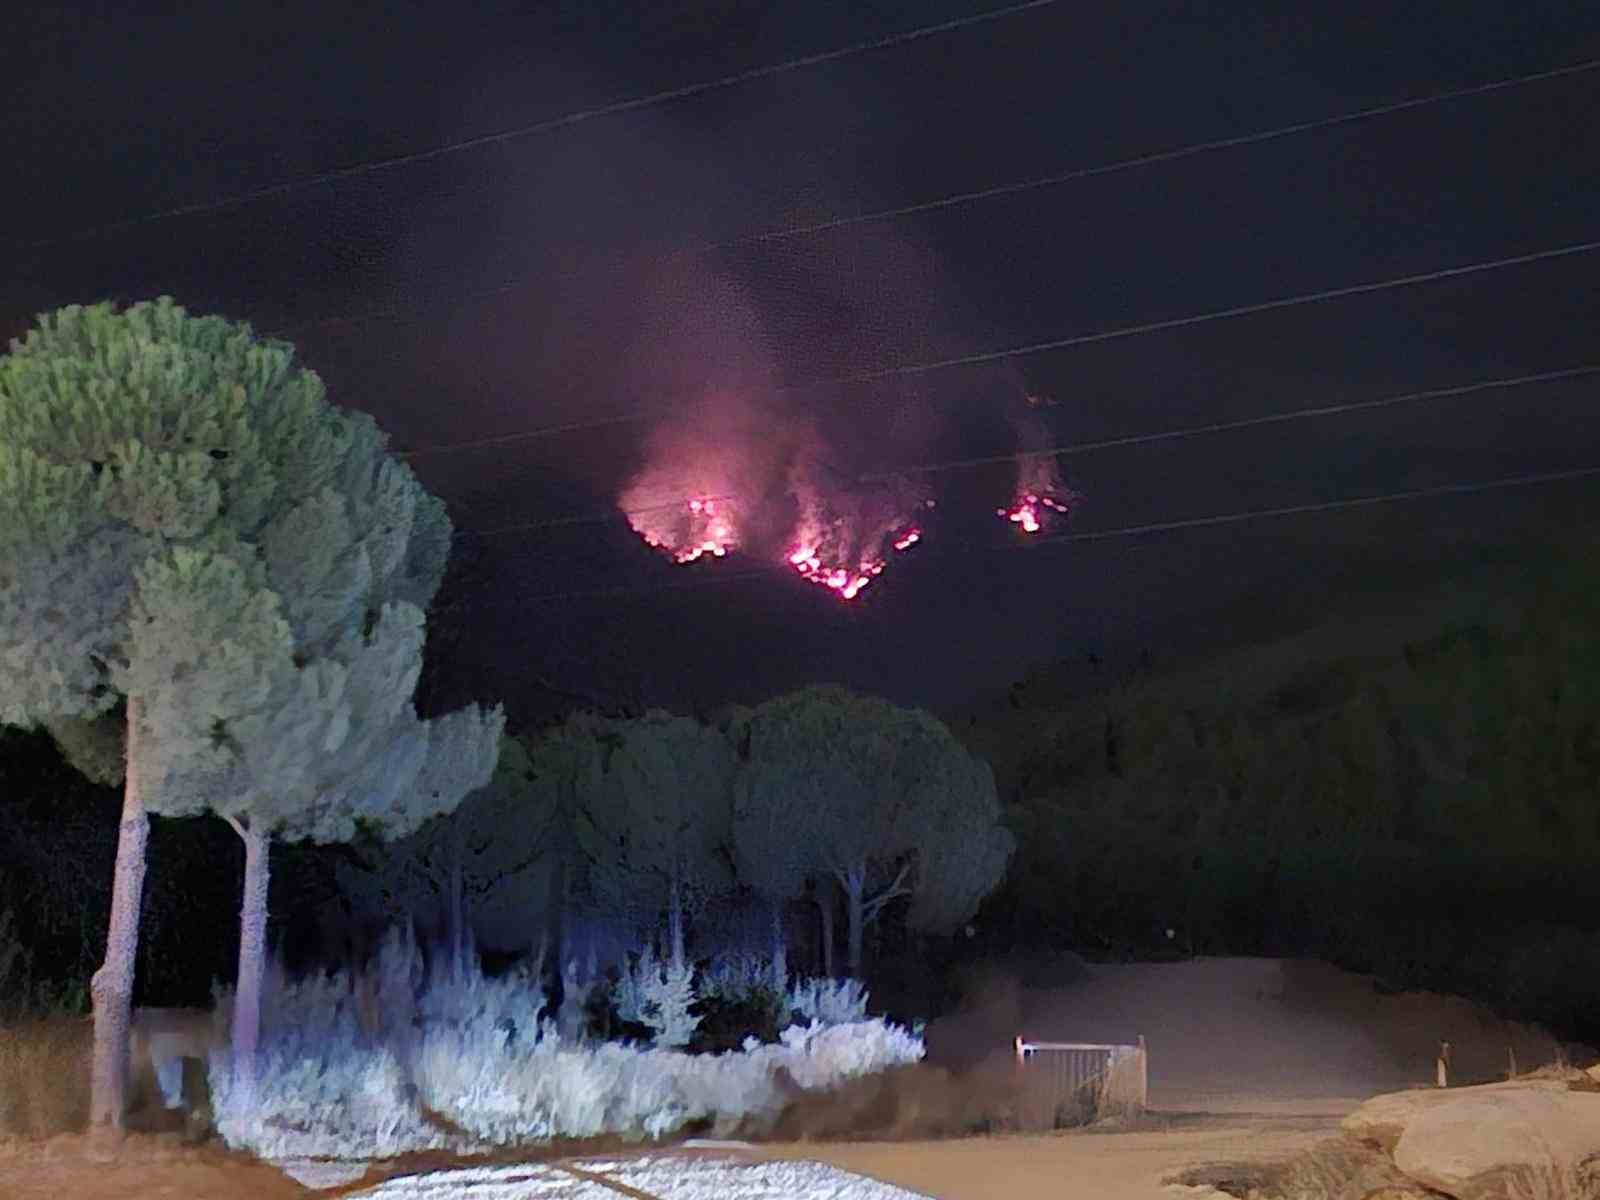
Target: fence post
x: 1020, y: 1089
x: 1144, y: 1075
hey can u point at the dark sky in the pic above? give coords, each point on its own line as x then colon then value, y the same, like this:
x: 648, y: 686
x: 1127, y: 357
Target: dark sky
x: 121, y: 110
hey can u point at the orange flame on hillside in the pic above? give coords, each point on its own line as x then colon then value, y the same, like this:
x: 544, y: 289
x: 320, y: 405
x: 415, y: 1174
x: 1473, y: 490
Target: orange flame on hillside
x: 692, y: 529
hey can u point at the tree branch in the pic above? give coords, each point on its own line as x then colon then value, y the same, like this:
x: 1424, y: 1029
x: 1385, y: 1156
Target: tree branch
x: 872, y: 907
x: 238, y: 827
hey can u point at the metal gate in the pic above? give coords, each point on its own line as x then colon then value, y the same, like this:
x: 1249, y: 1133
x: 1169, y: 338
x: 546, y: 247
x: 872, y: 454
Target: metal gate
x: 1073, y: 1083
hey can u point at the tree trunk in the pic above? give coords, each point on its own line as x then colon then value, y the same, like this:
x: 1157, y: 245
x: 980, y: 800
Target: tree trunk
x: 855, y: 886
x: 555, y: 914
x: 112, y: 985
x: 780, y: 963
x: 458, y: 946
x: 825, y: 906
x: 675, y: 920
x: 246, y: 1033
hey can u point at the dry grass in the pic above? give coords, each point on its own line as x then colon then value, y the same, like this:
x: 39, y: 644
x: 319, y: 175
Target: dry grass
x: 44, y: 1080
x: 1555, y: 1182
x: 44, y: 1075
x: 1338, y: 1169
x: 1342, y: 1169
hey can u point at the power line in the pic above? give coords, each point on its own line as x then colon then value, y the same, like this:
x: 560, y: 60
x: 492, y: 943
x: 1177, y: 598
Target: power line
x: 1454, y: 489
x: 1326, y: 410
x: 1064, y: 343
x: 1137, y: 439
x: 572, y: 118
x: 590, y: 518
x: 998, y: 191
x: 1243, y: 310
x: 1449, y: 489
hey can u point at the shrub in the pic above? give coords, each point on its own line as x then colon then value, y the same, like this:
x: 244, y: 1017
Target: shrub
x: 504, y: 1089
x: 735, y: 976
x: 829, y: 1001
x: 457, y: 1060
x: 728, y: 1021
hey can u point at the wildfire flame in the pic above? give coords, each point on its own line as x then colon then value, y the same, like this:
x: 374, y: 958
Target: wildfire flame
x: 846, y: 533
x: 1040, y: 491
x: 846, y: 580
x: 708, y: 488
x: 1025, y: 512
x: 692, y: 529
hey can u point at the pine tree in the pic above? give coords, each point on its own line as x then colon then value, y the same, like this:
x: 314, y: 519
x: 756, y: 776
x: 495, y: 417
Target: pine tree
x: 496, y: 862
x: 655, y: 828
x: 194, y: 534
x: 879, y: 800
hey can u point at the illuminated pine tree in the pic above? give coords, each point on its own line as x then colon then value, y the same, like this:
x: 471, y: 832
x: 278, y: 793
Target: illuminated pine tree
x: 879, y: 800
x: 193, y: 536
x: 655, y: 828
x: 497, y: 863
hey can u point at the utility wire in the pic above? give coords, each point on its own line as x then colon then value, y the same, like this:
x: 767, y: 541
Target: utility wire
x: 1107, y: 335
x: 598, y: 517
x: 1454, y: 489
x: 572, y: 118
x: 1243, y: 310
x: 1326, y: 410
x: 990, y: 193
x: 1137, y: 439
x: 1449, y: 489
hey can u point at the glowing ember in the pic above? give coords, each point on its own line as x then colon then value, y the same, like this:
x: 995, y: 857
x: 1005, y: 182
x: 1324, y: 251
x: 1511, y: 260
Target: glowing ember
x: 699, y: 526
x: 846, y: 535
x: 1040, y: 491
x: 1025, y: 513
x: 846, y: 581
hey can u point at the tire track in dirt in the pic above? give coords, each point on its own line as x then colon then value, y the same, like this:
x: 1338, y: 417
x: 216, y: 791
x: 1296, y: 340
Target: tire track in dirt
x: 594, y: 1177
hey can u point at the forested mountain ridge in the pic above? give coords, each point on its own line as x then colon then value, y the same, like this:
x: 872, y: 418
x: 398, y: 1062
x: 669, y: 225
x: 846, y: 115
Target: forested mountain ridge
x: 1428, y: 810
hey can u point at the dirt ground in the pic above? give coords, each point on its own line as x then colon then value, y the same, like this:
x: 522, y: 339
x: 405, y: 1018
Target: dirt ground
x: 1249, y: 1059
x: 1068, y: 1165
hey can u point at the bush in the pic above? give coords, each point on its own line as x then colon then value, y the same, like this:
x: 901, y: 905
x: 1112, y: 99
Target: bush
x: 829, y: 1001
x: 475, y: 1065
x: 727, y: 1021
x: 493, y: 1088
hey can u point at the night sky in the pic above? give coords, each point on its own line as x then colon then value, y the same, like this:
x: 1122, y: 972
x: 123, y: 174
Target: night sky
x: 563, y: 278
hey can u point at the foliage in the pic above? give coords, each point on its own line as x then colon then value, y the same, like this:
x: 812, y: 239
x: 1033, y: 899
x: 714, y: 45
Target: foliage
x: 893, y: 806
x: 335, y: 1081
x: 504, y: 847
x: 502, y: 1090
x: 729, y: 1019
x: 829, y: 1001
x: 668, y: 994
x: 16, y: 967
x: 1425, y: 814
x: 736, y: 974
x: 658, y: 994
x: 654, y: 825
x: 191, y: 527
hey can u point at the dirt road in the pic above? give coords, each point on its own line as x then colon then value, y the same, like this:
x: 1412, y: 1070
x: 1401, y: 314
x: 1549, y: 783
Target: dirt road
x: 1068, y: 1166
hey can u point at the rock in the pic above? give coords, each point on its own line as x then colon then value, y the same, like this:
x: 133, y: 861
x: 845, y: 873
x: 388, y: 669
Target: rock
x: 1465, y: 1144
x: 1382, y: 1120
x: 1594, y: 1072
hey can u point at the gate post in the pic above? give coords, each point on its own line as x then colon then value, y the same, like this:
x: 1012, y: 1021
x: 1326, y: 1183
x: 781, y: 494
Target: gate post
x: 1144, y: 1075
